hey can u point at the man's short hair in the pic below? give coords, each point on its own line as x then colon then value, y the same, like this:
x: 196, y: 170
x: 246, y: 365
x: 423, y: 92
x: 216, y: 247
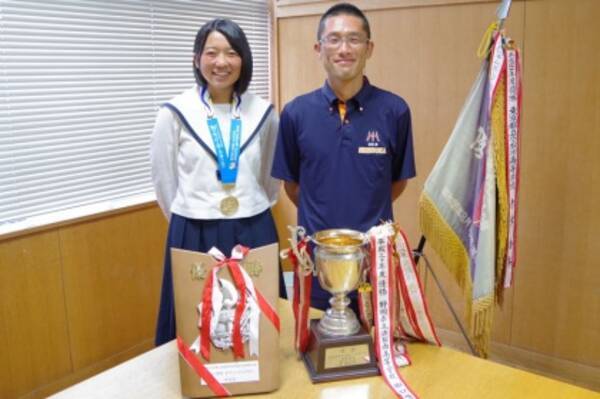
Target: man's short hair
x: 344, y: 9
x: 237, y: 39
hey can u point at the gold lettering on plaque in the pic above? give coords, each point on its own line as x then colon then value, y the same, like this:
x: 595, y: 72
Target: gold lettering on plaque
x: 343, y: 356
x: 253, y: 268
x: 198, y: 271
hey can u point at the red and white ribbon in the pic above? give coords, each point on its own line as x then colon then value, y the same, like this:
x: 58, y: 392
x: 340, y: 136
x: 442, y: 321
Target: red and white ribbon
x: 513, y: 121
x: 300, y: 258
x: 381, y: 279
x: 212, y: 302
x: 213, y: 384
x: 414, y: 306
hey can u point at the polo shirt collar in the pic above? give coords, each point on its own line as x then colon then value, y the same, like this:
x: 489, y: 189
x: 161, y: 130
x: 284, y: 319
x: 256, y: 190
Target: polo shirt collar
x: 360, y: 98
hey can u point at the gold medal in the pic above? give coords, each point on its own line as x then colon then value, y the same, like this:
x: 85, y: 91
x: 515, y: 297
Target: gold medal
x: 229, y: 205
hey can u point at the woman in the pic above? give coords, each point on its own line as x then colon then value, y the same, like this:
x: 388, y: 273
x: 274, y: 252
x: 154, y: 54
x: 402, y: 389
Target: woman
x: 211, y: 153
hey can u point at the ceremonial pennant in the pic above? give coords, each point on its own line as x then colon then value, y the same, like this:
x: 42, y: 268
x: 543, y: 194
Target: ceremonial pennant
x: 468, y: 208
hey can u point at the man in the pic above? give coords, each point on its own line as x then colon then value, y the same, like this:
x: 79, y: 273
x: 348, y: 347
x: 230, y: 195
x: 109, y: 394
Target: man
x: 344, y: 151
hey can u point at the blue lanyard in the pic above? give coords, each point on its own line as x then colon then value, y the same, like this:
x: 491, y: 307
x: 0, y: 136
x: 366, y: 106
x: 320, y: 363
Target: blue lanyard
x: 228, y: 162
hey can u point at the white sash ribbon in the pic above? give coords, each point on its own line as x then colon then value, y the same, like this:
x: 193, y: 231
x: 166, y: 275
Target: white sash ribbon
x: 423, y: 327
x: 513, y: 119
x: 496, y: 68
x: 383, y: 302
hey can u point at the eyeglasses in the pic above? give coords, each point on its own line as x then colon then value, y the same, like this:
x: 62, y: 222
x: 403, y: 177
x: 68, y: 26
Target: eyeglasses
x: 335, y: 41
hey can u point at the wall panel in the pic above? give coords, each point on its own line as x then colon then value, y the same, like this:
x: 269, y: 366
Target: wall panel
x: 34, y: 336
x: 299, y: 72
x: 112, y: 272
x: 78, y: 298
x: 557, y: 292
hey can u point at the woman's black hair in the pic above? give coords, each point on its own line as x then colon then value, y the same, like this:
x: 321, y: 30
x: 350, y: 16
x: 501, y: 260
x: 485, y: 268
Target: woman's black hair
x: 237, y: 39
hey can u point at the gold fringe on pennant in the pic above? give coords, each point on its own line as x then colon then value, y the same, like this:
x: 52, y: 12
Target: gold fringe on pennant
x: 498, y: 130
x: 446, y: 243
x: 481, y: 324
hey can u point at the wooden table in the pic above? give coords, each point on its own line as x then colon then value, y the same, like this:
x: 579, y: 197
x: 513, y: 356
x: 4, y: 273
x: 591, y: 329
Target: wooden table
x: 437, y: 373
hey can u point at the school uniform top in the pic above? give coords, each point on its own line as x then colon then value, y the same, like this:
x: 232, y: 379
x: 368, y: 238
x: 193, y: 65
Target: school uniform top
x: 345, y: 169
x: 184, y: 162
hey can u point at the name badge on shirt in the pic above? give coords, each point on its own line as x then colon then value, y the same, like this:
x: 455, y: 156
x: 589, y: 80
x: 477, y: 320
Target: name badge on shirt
x: 372, y: 150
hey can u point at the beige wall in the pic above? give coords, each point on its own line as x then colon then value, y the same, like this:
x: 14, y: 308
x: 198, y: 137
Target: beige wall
x: 77, y: 299
x: 425, y: 51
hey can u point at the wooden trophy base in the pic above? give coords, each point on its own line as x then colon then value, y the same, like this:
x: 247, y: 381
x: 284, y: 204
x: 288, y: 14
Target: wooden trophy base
x: 338, y: 358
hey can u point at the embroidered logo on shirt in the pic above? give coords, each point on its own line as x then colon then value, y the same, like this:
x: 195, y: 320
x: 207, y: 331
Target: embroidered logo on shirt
x: 373, y: 144
x: 373, y: 138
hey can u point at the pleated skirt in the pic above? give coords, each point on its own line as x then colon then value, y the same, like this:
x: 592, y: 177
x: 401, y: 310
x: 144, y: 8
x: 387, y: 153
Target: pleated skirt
x: 201, y: 236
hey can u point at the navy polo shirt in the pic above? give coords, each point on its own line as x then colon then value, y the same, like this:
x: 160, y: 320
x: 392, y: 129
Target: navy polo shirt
x: 344, y: 168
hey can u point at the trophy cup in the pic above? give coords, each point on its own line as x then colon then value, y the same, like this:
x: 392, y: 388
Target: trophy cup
x: 340, y: 346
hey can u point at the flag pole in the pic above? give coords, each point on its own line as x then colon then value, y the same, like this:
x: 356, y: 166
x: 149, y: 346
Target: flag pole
x: 501, y: 13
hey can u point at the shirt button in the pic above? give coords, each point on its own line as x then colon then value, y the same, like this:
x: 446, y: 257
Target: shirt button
x: 361, y: 109
x: 330, y: 109
x: 346, y: 121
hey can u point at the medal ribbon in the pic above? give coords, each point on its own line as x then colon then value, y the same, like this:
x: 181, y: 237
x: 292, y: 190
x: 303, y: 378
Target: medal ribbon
x: 381, y: 278
x: 513, y: 121
x: 228, y: 162
x: 213, y: 384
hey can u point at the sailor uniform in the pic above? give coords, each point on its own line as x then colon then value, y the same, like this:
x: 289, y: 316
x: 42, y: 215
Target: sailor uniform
x: 186, y: 178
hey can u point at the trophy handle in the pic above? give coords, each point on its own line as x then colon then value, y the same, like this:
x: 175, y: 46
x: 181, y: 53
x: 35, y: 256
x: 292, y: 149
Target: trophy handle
x: 366, y: 266
x: 298, y: 235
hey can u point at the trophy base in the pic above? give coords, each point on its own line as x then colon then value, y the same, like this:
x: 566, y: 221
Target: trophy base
x: 330, y: 358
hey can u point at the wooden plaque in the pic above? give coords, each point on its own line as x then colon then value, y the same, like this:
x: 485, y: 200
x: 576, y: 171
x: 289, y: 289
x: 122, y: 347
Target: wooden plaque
x: 338, y: 358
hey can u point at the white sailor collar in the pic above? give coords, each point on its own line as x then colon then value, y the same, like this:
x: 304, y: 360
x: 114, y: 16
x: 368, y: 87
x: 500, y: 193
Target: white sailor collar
x: 192, y: 114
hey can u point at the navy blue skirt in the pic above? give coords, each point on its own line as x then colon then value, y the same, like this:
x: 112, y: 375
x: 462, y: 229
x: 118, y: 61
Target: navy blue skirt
x: 201, y: 236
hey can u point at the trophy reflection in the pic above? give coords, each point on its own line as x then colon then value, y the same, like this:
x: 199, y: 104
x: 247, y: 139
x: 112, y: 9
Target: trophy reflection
x: 340, y: 346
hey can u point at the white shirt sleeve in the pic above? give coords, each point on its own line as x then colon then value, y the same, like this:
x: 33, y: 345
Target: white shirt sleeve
x: 164, y: 147
x: 270, y: 184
